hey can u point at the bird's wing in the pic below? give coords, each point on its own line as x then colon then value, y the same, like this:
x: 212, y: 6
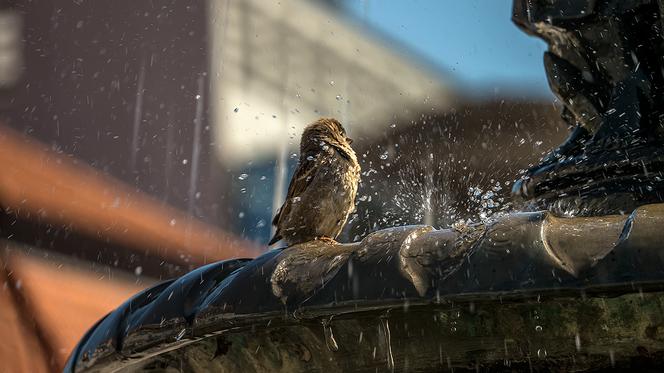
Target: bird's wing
x: 304, y: 174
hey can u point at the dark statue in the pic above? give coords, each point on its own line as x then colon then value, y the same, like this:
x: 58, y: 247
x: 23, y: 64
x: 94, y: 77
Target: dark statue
x: 605, y: 65
x: 528, y: 291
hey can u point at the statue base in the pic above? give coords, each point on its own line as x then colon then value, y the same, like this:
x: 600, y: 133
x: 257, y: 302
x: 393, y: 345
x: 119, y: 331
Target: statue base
x: 598, y: 181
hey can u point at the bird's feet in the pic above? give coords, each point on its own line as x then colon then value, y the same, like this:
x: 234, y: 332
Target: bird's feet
x: 327, y: 240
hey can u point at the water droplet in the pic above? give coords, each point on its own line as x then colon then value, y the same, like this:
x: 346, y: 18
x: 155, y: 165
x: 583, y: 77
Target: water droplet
x: 240, y: 215
x: 180, y: 334
x: 538, y: 328
x: 172, y: 222
x: 185, y: 161
x: 198, y: 97
x: 541, y: 353
x: 138, y: 270
x: 384, y: 156
x: 331, y: 82
x: 393, y: 125
x: 612, y: 358
x: 329, y: 336
x: 243, y: 177
x: 577, y: 342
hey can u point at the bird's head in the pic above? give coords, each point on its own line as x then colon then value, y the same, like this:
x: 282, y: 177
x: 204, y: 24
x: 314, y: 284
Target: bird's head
x: 327, y: 130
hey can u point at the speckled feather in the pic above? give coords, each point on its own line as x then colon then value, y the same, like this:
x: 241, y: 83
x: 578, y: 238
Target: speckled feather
x: 322, y: 191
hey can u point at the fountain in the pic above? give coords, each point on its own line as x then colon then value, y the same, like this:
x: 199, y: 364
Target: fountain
x: 573, y: 282
x: 605, y: 66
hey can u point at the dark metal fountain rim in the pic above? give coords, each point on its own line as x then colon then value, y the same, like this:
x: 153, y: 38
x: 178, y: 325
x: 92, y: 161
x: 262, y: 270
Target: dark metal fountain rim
x: 424, y: 267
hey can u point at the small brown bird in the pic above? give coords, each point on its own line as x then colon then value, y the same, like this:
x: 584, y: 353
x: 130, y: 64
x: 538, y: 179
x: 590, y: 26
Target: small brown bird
x: 322, y: 192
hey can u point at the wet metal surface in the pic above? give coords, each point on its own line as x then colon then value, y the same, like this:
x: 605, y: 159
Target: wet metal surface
x: 325, y: 296
x: 604, y: 65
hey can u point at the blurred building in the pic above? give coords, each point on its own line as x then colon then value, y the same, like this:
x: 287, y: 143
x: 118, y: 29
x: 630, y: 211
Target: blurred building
x: 107, y: 176
x: 142, y: 139
x: 273, y: 72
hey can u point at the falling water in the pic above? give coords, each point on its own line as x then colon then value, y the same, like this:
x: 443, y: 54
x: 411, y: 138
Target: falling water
x: 281, y: 163
x: 384, y: 330
x: 280, y: 176
x: 331, y: 343
x: 428, y: 192
x: 170, y: 150
x: 343, y: 104
x: 138, y: 115
x: 196, y: 148
x: 428, y: 210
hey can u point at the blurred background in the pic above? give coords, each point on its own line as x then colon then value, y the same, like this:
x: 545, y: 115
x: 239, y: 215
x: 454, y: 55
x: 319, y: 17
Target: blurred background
x: 140, y: 140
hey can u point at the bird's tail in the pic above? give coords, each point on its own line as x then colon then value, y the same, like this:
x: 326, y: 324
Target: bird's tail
x: 275, y: 239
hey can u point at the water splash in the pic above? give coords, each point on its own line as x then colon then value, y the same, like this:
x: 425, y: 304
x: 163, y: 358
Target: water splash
x: 426, y: 198
x: 415, y: 200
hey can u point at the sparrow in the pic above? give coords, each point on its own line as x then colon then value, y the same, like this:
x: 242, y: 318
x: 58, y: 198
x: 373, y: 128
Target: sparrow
x: 322, y: 192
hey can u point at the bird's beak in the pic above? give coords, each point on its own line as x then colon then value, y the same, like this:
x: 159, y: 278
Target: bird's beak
x: 349, y: 140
